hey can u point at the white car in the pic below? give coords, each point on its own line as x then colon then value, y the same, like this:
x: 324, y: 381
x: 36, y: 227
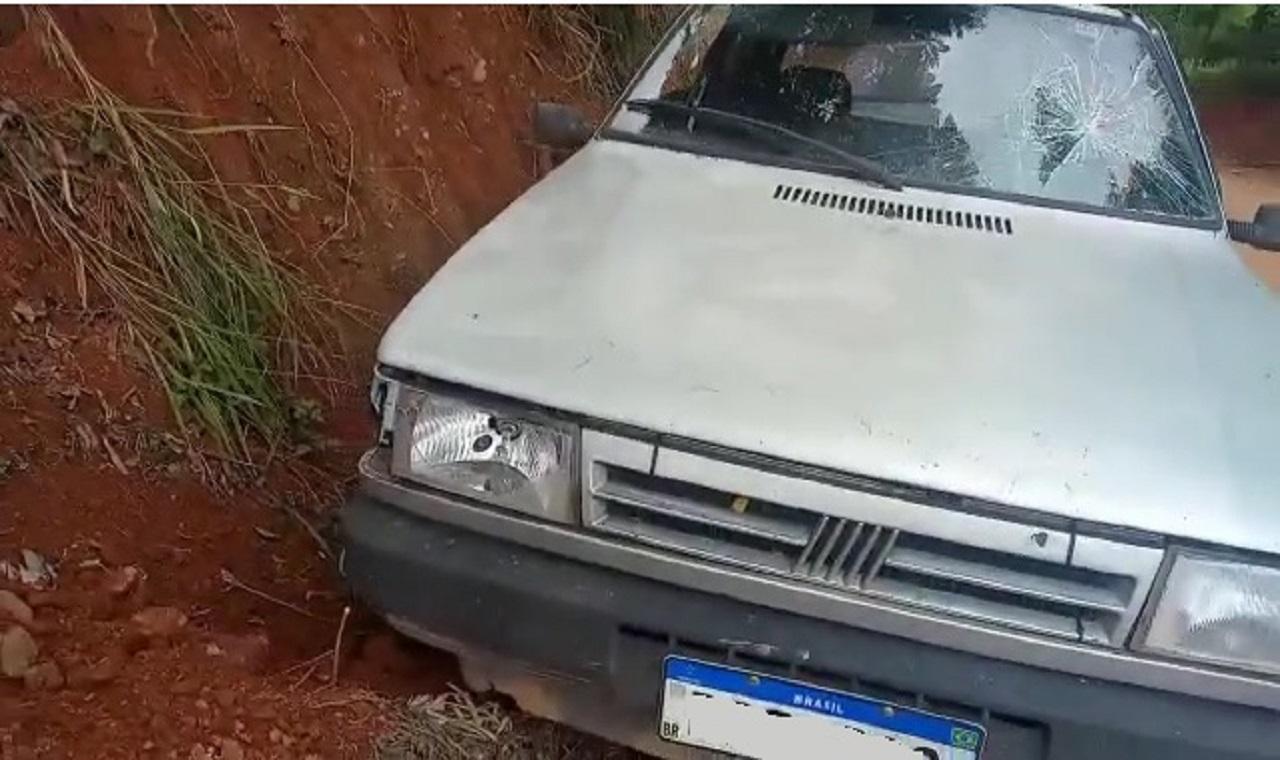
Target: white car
x: 875, y: 382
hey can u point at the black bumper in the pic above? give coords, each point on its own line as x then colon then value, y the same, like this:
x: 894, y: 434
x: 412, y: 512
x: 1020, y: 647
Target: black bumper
x: 609, y: 633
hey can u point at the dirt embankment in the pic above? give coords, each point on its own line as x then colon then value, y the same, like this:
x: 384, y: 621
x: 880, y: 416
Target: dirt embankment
x: 188, y: 621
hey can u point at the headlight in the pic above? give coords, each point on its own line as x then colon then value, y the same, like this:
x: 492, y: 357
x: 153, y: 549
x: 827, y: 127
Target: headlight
x: 506, y: 457
x: 1221, y: 610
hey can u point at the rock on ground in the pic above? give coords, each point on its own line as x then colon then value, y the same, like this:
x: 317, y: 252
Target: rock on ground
x: 13, y: 608
x: 17, y: 651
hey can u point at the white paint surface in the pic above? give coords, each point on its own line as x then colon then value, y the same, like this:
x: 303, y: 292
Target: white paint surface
x: 1116, y: 371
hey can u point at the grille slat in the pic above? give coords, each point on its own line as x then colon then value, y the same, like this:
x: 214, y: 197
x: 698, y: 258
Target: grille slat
x: 827, y: 546
x: 708, y: 514
x: 913, y: 567
x: 1058, y: 590
x: 1059, y: 624
x: 814, y: 537
x: 881, y: 556
x: 838, y: 563
x: 635, y: 527
x: 855, y: 569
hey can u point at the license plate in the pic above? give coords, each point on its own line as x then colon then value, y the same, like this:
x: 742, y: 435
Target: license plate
x: 762, y: 717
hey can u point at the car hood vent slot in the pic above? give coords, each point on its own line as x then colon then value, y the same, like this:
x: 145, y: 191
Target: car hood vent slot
x: 896, y: 210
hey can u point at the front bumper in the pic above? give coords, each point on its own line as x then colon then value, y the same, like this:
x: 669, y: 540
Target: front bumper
x: 591, y: 641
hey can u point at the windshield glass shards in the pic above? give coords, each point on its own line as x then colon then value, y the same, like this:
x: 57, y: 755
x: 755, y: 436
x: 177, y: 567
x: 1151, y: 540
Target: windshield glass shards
x: 1050, y: 105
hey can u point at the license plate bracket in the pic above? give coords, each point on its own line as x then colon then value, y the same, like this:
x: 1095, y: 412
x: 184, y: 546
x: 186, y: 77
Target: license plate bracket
x: 759, y: 716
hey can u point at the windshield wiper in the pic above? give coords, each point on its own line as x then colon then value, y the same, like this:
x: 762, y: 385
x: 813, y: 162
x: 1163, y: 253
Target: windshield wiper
x: 860, y: 167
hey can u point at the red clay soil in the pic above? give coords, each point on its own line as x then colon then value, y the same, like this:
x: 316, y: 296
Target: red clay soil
x: 411, y: 132
x: 1243, y: 131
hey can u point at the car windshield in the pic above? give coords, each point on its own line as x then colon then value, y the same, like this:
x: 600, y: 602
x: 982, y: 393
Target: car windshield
x: 1062, y: 108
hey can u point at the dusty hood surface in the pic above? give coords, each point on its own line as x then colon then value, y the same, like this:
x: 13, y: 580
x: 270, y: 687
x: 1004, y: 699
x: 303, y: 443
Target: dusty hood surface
x: 1115, y: 371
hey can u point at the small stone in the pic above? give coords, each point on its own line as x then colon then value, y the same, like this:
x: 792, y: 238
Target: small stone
x: 13, y: 608
x: 480, y: 71
x: 231, y: 750
x: 274, y: 736
x: 202, y: 705
x: 158, y: 622
x: 17, y: 651
x: 119, y: 581
x: 43, y: 676
x: 225, y: 697
x: 23, y: 311
x: 200, y: 752
x: 293, y: 202
x: 184, y: 686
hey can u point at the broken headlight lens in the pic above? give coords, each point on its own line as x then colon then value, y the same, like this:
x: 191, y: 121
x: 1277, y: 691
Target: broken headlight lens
x: 1219, y: 610
x: 507, y: 459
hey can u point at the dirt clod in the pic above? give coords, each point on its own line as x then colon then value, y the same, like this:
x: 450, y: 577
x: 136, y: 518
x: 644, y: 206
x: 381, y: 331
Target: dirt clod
x: 43, y: 676
x: 119, y: 581
x: 24, y: 312
x: 158, y: 623
x: 96, y: 674
x: 248, y: 652
x: 14, y: 609
x: 18, y: 650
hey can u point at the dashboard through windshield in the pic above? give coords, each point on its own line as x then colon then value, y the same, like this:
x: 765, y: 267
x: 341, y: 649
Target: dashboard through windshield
x: 1052, y: 106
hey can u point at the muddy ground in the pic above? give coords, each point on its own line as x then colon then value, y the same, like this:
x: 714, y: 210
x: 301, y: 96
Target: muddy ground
x: 195, y: 613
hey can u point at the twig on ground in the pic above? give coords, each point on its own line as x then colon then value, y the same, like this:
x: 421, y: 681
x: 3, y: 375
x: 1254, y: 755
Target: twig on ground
x: 116, y: 461
x: 311, y: 668
x: 232, y: 581
x: 310, y: 529
x: 337, y: 645
x: 309, y: 662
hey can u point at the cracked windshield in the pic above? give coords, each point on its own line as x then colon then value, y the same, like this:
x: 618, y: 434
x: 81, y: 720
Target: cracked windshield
x: 992, y: 99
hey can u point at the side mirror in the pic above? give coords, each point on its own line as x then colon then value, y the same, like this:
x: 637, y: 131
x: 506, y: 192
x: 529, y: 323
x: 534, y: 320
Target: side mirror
x: 559, y: 126
x: 1262, y: 232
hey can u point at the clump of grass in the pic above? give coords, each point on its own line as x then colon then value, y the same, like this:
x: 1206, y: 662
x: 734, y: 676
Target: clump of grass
x: 454, y: 726
x: 218, y: 318
x: 602, y: 45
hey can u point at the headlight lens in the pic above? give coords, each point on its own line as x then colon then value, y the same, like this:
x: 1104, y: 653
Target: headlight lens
x: 1220, y: 610
x: 501, y: 457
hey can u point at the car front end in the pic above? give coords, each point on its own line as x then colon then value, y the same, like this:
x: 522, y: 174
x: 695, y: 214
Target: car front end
x: 707, y: 451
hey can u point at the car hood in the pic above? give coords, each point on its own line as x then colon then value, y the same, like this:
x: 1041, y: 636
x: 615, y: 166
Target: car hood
x: 1091, y: 367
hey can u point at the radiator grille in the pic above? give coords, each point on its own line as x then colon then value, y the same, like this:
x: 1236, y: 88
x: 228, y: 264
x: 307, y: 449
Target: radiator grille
x: 859, y: 557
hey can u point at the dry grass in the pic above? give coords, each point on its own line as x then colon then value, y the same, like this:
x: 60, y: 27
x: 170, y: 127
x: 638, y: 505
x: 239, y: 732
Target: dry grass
x: 454, y: 726
x: 601, y: 45
x: 217, y: 317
